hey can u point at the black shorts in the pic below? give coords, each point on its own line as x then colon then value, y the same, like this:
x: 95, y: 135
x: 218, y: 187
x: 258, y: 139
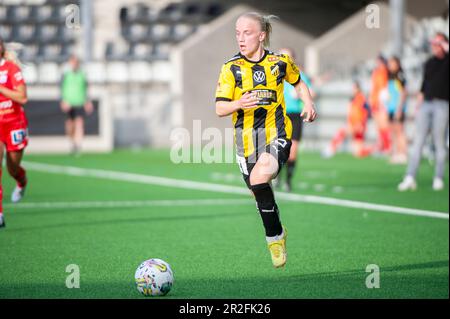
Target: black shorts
x: 75, y: 112
x: 280, y: 148
x: 392, y: 118
x: 297, y: 126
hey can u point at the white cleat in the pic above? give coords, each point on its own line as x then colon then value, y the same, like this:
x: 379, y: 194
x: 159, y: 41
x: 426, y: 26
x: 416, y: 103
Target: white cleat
x: 399, y: 159
x: 438, y: 184
x: 408, y: 183
x: 17, y: 194
x: 328, y: 153
x: 2, y: 221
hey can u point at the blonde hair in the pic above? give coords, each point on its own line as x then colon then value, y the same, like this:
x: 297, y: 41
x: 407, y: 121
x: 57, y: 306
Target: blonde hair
x: 264, y: 22
x: 12, y: 56
x: 10, y: 53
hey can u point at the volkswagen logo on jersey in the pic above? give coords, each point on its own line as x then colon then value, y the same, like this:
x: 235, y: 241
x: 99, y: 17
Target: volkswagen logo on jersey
x: 259, y: 77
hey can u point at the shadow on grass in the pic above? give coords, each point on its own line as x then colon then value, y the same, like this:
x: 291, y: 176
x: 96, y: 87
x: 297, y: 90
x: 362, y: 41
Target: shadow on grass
x: 347, y: 284
x: 120, y: 221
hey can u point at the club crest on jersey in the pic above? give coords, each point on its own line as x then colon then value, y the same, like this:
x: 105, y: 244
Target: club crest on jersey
x: 18, y: 136
x: 259, y: 77
x: 275, y: 70
x: 18, y: 76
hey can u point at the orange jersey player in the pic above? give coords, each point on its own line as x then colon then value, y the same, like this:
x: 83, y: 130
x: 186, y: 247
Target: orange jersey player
x: 379, y: 79
x: 358, y: 115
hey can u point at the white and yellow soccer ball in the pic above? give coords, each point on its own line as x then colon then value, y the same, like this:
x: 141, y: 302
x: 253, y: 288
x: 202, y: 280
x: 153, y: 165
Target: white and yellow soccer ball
x: 154, y: 277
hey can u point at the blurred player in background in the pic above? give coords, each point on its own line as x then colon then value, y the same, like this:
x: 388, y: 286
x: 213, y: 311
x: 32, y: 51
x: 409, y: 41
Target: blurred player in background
x: 13, y: 124
x: 358, y: 113
x: 379, y: 79
x: 395, y: 103
x: 294, y: 107
x: 250, y: 88
x: 75, y: 103
x: 432, y: 115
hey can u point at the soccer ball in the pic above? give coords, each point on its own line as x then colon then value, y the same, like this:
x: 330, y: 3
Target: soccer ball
x: 154, y: 277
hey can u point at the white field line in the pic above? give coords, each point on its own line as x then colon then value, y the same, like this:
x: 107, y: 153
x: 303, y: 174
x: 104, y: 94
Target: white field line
x: 128, y: 204
x: 212, y: 187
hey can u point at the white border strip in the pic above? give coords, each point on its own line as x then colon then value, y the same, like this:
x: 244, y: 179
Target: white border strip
x: 211, y: 187
x: 128, y: 204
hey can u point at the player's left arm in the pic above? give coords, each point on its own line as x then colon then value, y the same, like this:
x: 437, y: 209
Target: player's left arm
x: 309, y: 112
x: 293, y: 76
x: 88, y: 106
x: 18, y: 95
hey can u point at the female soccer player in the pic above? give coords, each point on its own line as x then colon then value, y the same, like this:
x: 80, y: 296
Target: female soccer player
x: 396, y: 107
x: 355, y: 128
x: 13, y: 124
x: 250, y: 88
x: 379, y: 80
x: 75, y: 103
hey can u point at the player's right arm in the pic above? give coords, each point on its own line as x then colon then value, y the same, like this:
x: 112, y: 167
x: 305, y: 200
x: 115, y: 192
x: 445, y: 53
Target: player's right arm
x: 225, y: 104
x: 225, y: 108
x: 18, y: 93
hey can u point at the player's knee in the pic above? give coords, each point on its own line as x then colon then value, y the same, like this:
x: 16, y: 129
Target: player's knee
x: 256, y: 179
x: 268, y: 164
x: 260, y: 176
x: 13, y: 167
x: 441, y: 152
x: 13, y: 170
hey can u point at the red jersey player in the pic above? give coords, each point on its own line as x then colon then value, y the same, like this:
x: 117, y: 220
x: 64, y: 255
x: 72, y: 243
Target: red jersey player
x: 13, y: 125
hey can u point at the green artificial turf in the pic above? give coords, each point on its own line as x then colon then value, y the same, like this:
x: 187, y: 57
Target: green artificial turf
x: 219, y: 251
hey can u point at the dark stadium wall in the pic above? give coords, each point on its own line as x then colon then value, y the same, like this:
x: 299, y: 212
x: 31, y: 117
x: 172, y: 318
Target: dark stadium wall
x: 319, y: 16
x: 46, y: 119
x: 347, y: 43
x: 423, y: 9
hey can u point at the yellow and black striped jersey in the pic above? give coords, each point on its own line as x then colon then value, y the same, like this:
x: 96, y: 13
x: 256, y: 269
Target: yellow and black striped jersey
x: 265, y: 78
